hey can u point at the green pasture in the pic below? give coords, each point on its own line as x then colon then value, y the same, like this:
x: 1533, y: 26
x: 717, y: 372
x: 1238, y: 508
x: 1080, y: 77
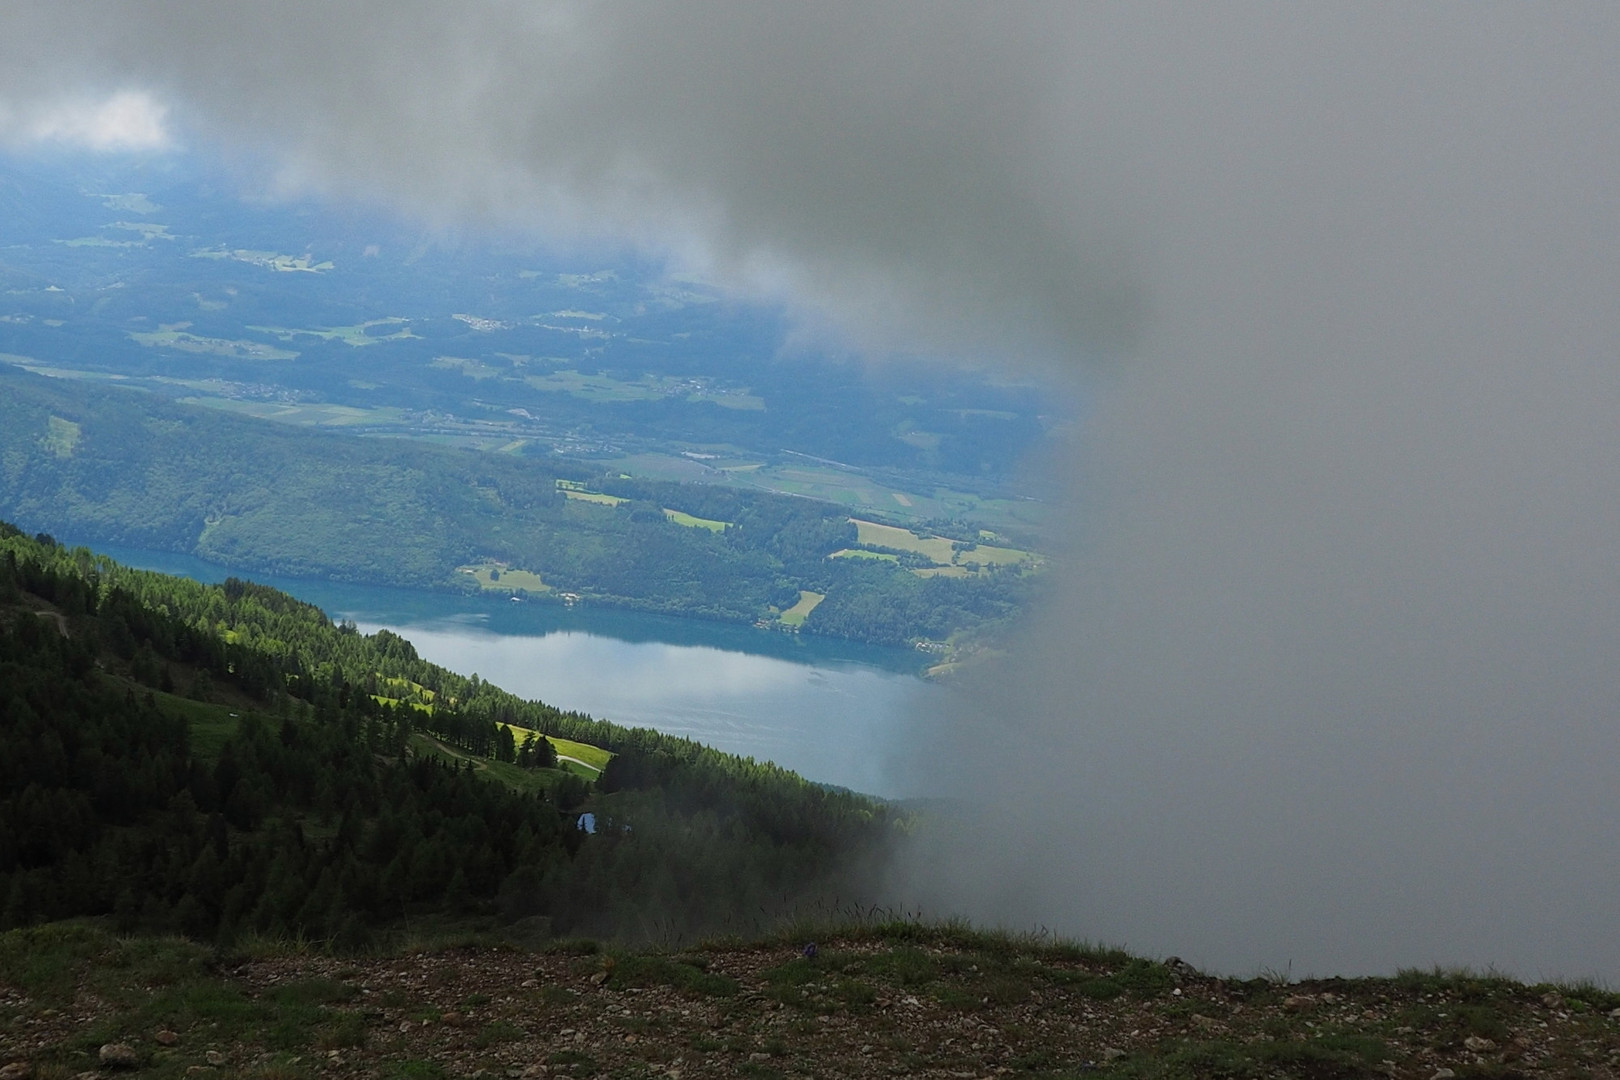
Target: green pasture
x: 397, y: 702
x: 594, y: 757
x: 989, y: 555
x: 210, y: 726
x: 795, y: 615
x: 590, y: 759
x: 692, y: 522
x: 403, y: 691
x: 573, y: 489
x: 594, y: 497
x: 528, y: 781
x: 500, y: 578
x: 857, y: 553
x: 936, y: 548
x: 399, y: 682
x: 943, y: 553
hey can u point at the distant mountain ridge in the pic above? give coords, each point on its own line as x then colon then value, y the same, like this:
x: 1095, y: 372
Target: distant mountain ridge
x: 131, y: 468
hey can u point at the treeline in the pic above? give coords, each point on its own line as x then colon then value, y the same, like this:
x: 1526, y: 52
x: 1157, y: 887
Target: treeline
x: 133, y: 469
x: 320, y: 813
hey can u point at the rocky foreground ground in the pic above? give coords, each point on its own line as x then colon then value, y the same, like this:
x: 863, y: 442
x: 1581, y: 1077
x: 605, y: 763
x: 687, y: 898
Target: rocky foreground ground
x: 901, y: 1000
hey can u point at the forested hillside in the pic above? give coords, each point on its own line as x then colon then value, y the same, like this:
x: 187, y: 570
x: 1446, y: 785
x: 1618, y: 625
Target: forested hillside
x: 125, y: 467
x: 223, y: 760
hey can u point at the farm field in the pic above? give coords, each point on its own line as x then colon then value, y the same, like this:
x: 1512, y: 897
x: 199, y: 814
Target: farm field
x: 950, y: 559
x: 940, y: 549
x: 498, y: 577
x: 936, y: 548
x: 795, y: 615
x: 594, y: 497
x: 857, y: 553
x: 691, y: 522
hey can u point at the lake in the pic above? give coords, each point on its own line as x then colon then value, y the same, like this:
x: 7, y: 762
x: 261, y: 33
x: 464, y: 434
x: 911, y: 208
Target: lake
x: 834, y: 711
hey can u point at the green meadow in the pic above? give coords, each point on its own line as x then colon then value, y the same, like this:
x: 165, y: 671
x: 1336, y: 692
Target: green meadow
x: 857, y: 553
x: 951, y: 559
x: 579, y: 758
x: 795, y: 615
x: 498, y: 577
x: 692, y: 522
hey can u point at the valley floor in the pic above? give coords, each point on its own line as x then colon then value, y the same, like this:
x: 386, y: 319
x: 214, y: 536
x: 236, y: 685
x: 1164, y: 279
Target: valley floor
x: 894, y: 1001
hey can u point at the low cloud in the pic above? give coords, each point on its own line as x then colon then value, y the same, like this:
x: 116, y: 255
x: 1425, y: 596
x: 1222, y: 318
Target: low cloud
x: 127, y: 120
x: 1328, y: 677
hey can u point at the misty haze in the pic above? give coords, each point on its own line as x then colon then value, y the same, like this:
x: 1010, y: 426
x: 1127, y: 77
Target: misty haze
x: 1151, y: 472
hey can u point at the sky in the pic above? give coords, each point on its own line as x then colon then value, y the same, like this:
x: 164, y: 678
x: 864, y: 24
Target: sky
x: 1327, y: 677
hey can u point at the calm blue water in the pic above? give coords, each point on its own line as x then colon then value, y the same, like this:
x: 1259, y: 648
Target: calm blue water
x: 834, y: 711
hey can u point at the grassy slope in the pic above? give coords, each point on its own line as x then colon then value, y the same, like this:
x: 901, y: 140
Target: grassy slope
x: 893, y: 999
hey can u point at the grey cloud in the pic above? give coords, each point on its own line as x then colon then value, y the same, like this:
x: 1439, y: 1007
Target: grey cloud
x: 1330, y: 675
x: 884, y: 161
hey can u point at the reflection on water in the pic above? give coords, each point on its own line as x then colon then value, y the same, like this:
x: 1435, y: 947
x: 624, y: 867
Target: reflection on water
x: 836, y: 723
x: 834, y: 711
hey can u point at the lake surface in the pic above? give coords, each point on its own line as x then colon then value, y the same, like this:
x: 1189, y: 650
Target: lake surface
x: 834, y: 711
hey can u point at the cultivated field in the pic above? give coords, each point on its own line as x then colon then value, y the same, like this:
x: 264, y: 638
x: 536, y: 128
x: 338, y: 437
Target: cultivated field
x: 692, y: 522
x: 950, y: 558
x: 498, y: 577
x: 573, y: 489
x: 936, y: 548
x: 857, y: 553
x: 795, y: 615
